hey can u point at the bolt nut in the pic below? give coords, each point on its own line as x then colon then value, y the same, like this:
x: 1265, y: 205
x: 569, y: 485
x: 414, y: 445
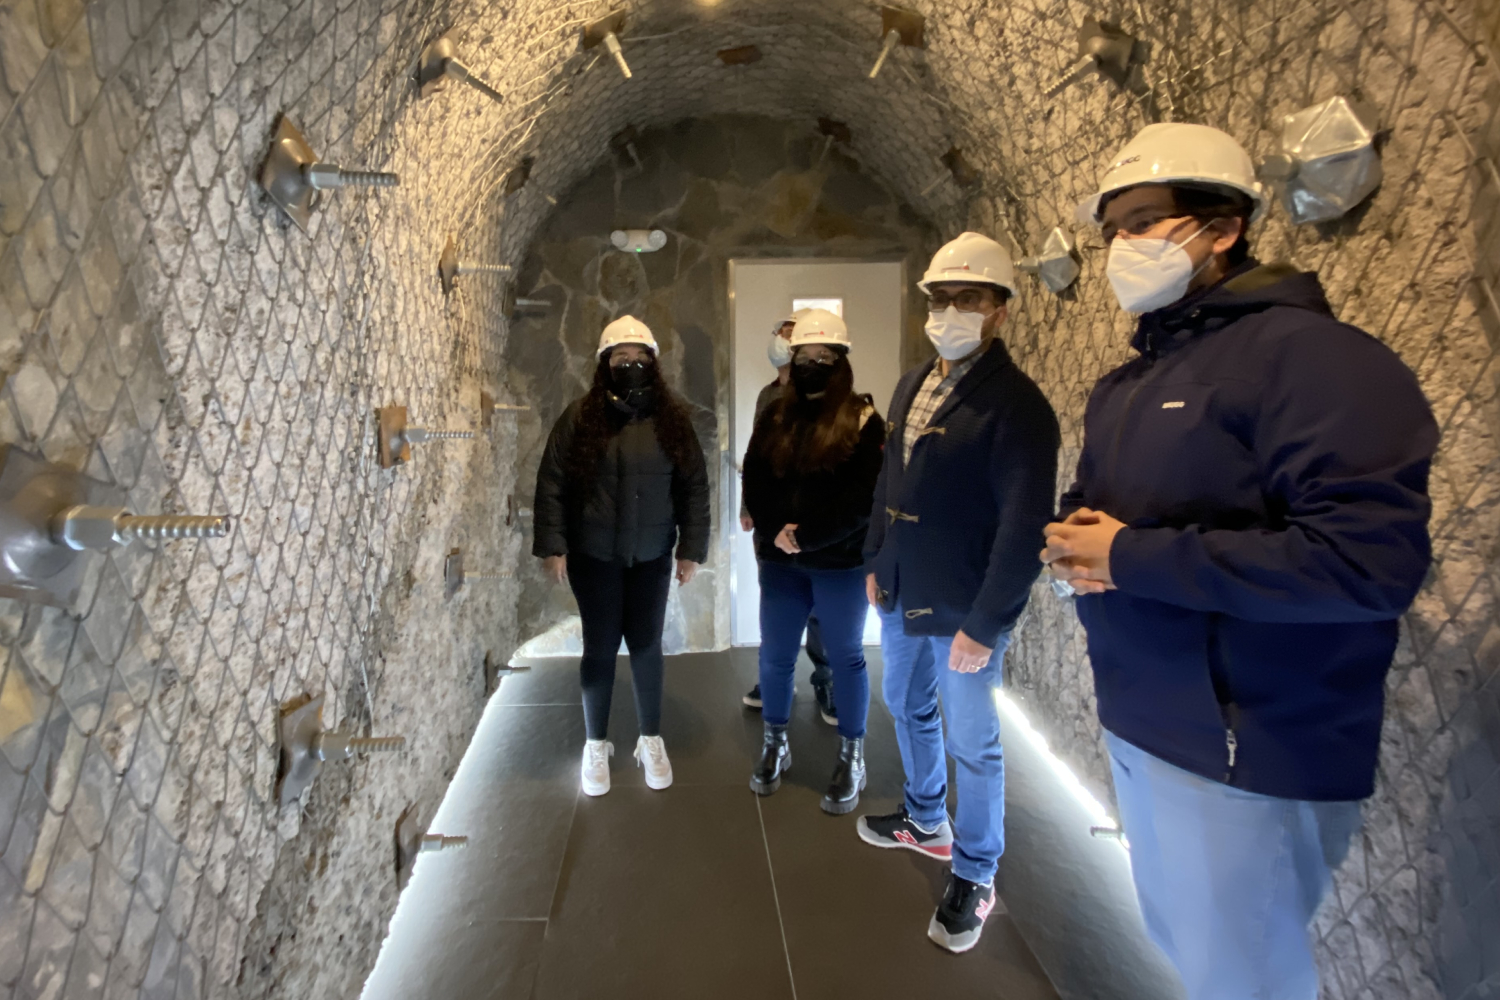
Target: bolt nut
x: 96, y: 528
x: 324, y: 176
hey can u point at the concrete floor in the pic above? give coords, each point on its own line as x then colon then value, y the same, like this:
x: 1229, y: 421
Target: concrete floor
x: 707, y: 890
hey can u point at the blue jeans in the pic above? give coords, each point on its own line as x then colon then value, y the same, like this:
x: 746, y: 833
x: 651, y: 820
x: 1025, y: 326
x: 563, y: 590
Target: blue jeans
x: 788, y: 595
x: 916, y: 672
x: 1228, y: 880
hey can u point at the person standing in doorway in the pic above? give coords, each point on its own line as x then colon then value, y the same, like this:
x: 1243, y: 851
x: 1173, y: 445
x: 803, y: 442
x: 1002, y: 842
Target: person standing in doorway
x: 1248, y: 524
x: 780, y: 353
x: 622, y: 481
x: 967, y: 484
x: 810, y: 472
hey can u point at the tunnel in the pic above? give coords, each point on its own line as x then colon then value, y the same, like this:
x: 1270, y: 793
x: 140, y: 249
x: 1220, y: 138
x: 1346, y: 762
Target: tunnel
x: 172, y: 334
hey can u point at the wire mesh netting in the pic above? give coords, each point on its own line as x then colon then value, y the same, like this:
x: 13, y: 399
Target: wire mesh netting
x: 163, y: 329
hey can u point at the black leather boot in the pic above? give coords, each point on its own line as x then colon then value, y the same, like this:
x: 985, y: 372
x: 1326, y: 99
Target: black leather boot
x: 848, y: 778
x: 775, y: 760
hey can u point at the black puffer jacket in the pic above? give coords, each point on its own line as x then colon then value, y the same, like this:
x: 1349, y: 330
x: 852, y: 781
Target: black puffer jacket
x: 635, y: 507
x: 830, y: 509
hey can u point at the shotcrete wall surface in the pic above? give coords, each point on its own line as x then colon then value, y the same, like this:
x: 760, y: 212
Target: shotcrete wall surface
x: 163, y: 328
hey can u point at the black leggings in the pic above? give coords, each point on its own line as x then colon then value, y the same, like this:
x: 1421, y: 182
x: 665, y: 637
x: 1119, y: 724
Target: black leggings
x: 617, y: 601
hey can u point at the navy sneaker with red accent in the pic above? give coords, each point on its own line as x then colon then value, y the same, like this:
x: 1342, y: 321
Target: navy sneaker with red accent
x: 899, y: 830
x: 959, y: 919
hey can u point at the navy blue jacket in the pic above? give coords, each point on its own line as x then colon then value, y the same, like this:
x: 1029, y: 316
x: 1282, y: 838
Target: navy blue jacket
x: 955, y: 537
x: 1270, y: 464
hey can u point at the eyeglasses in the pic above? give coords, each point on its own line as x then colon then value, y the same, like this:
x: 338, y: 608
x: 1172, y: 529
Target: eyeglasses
x: 968, y: 300
x: 1140, y: 226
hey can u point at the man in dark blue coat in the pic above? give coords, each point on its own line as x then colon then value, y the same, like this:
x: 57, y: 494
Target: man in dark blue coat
x: 964, y: 491
x: 1248, y: 524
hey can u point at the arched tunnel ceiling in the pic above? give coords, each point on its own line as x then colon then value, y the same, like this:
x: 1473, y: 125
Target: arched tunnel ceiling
x: 978, y: 85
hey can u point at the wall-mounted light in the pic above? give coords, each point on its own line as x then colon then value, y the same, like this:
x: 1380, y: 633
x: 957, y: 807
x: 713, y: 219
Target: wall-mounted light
x: 1328, y: 162
x: 437, y: 65
x: 638, y: 240
x: 902, y: 27
x: 1102, y: 47
x: 606, y: 32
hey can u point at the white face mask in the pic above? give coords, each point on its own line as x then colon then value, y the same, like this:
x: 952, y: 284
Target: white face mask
x: 955, y: 334
x: 1148, y: 274
x: 780, y: 352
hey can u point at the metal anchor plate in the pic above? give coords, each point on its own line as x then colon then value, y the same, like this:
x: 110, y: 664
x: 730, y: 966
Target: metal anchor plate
x: 33, y: 565
x: 283, y: 177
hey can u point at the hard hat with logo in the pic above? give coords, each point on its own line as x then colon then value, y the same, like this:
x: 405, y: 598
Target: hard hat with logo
x: 626, y: 330
x: 973, y: 259
x: 819, y: 326
x: 1177, y: 151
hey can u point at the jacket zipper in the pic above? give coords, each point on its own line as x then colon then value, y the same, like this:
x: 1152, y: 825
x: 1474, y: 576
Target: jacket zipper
x: 1225, y: 699
x: 1114, y: 451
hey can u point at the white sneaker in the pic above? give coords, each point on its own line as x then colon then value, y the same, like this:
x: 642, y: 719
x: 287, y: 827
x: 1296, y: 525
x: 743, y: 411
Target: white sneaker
x: 651, y: 753
x: 596, y: 755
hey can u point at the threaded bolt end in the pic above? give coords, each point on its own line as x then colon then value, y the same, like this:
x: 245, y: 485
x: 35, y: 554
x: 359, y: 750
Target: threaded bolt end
x: 368, y: 178
x: 377, y: 744
x: 172, y: 527
x: 1080, y: 67
x: 469, y: 268
x: 487, y: 576
x: 449, y: 435
x: 437, y: 842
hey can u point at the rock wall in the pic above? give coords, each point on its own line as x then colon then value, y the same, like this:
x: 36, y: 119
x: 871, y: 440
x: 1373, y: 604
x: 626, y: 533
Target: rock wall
x: 162, y: 328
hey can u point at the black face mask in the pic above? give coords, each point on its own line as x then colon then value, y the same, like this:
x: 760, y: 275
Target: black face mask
x: 630, y: 376
x: 811, y: 378
x: 633, y: 392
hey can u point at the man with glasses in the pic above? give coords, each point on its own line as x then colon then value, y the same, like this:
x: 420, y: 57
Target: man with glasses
x: 1248, y: 525
x: 966, y: 486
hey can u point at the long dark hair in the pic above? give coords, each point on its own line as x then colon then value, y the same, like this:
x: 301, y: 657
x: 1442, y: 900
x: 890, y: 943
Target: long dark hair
x: 599, y: 420
x: 815, y: 435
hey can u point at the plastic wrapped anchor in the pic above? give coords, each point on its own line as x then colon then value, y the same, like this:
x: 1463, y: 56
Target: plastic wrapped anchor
x: 1055, y: 265
x: 1328, y: 162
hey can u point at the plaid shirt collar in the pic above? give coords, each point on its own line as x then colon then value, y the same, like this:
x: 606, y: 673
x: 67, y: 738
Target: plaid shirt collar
x: 935, y: 390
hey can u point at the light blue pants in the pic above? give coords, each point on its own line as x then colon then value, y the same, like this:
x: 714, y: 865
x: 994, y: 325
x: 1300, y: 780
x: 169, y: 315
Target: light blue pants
x: 1228, y: 880
x: 915, y: 672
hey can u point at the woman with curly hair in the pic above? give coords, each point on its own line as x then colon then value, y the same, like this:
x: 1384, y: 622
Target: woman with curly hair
x: 809, y: 482
x: 622, y: 481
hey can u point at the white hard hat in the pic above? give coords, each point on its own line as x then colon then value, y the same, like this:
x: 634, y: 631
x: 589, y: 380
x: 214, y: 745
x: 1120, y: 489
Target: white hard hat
x: 626, y: 330
x: 973, y: 259
x: 789, y: 318
x: 1176, y: 151
x: 819, y: 326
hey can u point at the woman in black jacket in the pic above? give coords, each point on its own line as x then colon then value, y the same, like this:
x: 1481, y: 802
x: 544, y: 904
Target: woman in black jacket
x: 809, y: 482
x: 621, y: 481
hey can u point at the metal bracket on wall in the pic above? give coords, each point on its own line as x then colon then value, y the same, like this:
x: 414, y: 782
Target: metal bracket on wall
x: 455, y: 576
x: 1102, y: 47
x: 488, y: 408
x: 1056, y: 265
x: 437, y: 65
x: 897, y: 26
x: 306, y: 746
x: 450, y: 268
x: 295, y: 178
x: 396, y: 439
x: 1328, y: 161
x: 50, y: 514
x: 411, y: 841
x: 958, y: 170
x: 606, y: 31
x: 495, y: 670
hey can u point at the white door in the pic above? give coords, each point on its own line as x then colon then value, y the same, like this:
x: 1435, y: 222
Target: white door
x: 870, y: 298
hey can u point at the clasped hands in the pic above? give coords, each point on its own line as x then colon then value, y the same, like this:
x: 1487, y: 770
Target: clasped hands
x: 1077, y: 551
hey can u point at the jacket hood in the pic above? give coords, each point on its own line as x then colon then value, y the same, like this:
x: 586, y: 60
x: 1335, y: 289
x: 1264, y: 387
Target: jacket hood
x: 1250, y: 288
